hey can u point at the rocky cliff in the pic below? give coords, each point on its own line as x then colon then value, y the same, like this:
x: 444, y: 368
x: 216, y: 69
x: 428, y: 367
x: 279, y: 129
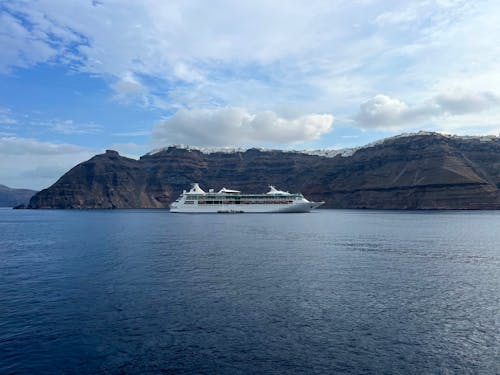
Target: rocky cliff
x: 10, y: 197
x: 421, y: 171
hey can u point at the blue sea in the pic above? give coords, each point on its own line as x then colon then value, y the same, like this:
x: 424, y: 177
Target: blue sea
x: 332, y: 291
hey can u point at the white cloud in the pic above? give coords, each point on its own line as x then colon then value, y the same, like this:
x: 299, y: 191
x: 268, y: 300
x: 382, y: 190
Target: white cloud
x: 399, y: 17
x: 69, y: 127
x: 236, y: 126
x: 6, y: 117
x: 266, y: 53
x: 448, y: 43
x: 24, y: 47
x: 386, y: 112
x: 28, y: 146
x: 30, y: 163
x: 488, y: 123
x: 313, y: 57
x: 25, y: 122
x: 137, y: 133
x: 462, y: 102
x: 128, y: 89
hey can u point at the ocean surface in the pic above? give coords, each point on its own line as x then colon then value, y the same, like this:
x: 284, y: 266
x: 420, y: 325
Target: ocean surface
x: 333, y: 291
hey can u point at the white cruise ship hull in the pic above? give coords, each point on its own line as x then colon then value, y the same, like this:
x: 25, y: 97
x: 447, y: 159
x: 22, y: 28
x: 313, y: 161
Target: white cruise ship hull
x: 246, y: 208
x: 225, y: 200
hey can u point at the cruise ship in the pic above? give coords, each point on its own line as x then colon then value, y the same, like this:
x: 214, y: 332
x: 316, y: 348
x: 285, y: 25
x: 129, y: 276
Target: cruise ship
x: 225, y: 200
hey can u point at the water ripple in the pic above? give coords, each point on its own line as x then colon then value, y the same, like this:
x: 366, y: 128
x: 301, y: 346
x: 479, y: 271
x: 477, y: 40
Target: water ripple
x: 145, y: 291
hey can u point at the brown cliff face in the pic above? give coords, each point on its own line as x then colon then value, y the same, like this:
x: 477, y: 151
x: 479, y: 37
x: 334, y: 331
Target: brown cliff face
x: 425, y: 171
x: 420, y: 172
x: 105, y: 181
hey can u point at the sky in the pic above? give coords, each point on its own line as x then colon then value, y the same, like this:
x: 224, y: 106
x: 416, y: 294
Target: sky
x: 78, y: 77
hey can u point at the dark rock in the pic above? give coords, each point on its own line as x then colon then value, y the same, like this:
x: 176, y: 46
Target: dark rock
x: 423, y: 171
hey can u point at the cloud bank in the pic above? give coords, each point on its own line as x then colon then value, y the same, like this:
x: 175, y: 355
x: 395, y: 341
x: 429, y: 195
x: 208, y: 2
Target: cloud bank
x: 386, y: 112
x: 460, y: 102
x: 237, y: 126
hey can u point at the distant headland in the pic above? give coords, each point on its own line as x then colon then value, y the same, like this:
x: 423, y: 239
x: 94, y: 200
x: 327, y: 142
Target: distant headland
x: 10, y: 197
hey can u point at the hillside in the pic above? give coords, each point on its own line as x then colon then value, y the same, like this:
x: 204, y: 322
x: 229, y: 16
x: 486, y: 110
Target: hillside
x: 417, y: 171
x: 13, y: 197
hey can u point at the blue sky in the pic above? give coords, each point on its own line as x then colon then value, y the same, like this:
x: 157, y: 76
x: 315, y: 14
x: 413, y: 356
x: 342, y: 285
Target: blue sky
x: 77, y: 77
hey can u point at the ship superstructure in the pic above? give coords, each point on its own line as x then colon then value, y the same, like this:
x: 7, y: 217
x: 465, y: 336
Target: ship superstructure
x: 196, y: 200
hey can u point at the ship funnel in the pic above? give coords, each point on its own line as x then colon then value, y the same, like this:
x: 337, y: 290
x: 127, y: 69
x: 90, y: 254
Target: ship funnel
x: 274, y: 191
x: 196, y: 189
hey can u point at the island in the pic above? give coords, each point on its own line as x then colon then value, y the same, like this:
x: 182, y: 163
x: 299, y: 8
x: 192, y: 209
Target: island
x: 411, y: 171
